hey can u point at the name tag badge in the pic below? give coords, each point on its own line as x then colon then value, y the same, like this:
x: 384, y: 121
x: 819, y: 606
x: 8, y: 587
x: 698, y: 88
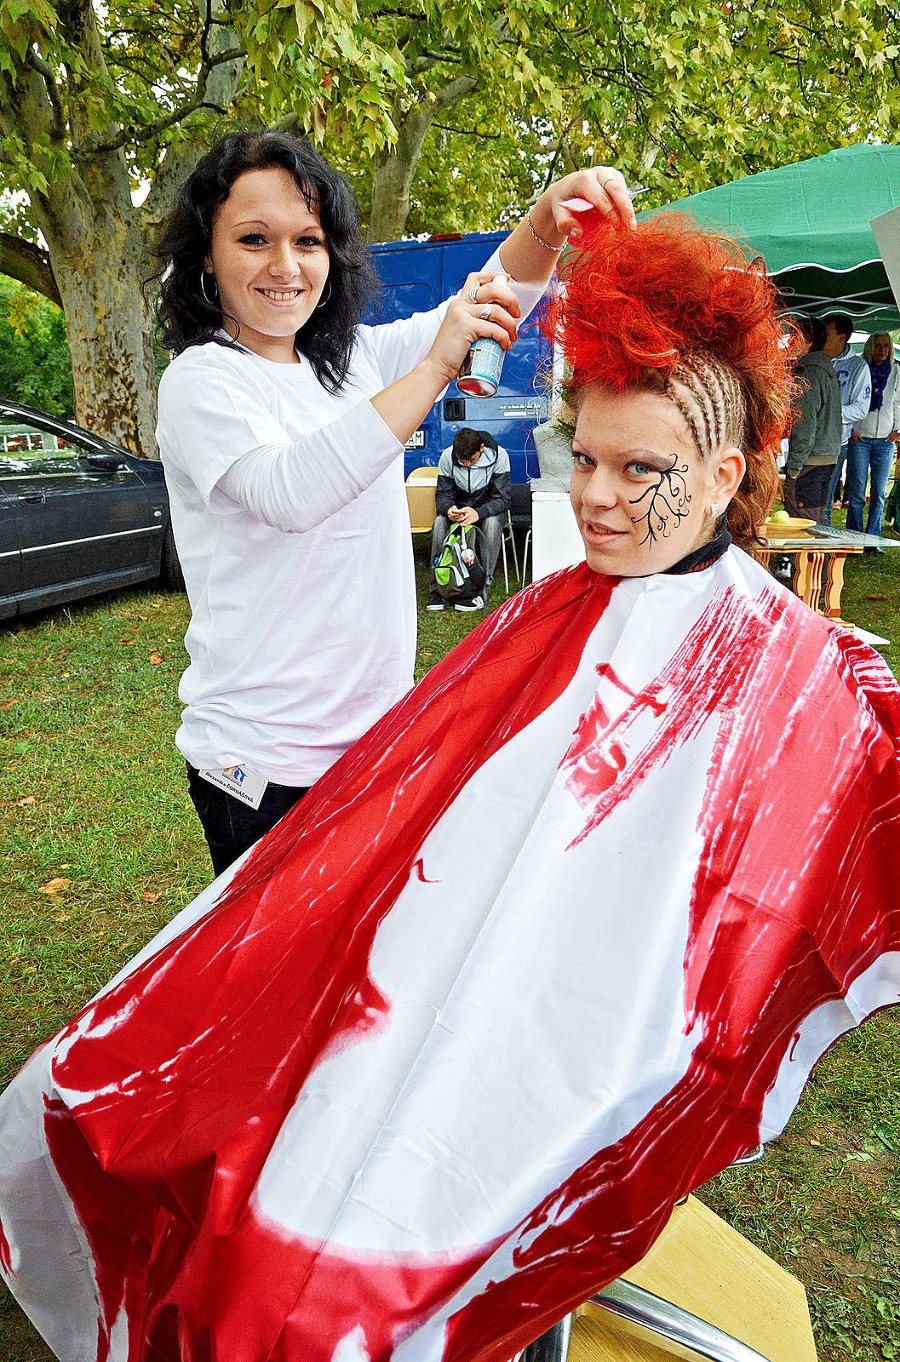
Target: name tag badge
x: 244, y: 785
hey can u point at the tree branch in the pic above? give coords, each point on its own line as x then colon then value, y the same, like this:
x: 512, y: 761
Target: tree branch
x: 58, y: 123
x: 28, y: 263
x: 216, y: 88
x: 292, y: 122
x: 453, y: 93
x: 427, y: 60
x: 135, y: 136
x: 471, y: 132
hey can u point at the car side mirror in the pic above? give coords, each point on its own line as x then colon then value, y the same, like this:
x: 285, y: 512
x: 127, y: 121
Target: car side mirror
x: 105, y: 463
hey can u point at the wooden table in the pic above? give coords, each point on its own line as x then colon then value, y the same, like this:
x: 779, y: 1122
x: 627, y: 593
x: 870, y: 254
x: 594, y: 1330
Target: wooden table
x: 819, y: 552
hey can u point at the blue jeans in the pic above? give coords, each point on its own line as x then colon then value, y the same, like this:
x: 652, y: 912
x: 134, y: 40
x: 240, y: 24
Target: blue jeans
x: 868, y: 458
x: 835, y: 479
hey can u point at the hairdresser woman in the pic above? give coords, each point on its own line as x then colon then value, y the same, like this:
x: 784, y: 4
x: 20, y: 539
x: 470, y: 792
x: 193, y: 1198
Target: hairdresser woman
x: 282, y: 423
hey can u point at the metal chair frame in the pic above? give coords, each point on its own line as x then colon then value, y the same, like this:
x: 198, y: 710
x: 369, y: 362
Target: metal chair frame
x: 642, y: 1308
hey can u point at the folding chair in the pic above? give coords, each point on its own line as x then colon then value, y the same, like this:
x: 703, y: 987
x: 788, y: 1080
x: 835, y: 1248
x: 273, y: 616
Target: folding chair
x: 520, y: 518
x: 420, y: 489
x: 508, y: 534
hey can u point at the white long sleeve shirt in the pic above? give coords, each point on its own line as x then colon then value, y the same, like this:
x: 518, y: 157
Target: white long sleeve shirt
x: 856, y: 389
x: 290, y: 517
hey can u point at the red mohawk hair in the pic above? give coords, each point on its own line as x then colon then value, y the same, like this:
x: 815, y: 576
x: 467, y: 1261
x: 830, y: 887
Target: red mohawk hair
x: 638, y: 304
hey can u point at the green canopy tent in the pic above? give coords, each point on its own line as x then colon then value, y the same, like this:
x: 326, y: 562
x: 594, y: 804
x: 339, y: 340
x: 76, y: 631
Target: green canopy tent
x: 810, y: 224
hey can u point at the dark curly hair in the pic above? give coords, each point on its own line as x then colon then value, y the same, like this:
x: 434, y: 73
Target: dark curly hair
x: 185, y: 317
x: 668, y: 307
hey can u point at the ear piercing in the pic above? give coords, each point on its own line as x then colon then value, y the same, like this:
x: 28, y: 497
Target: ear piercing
x: 213, y: 302
x: 714, y: 510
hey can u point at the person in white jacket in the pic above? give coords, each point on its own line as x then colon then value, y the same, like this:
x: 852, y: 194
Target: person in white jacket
x: 282, y: 423
x: 856, y: 389
x: 872, y: 441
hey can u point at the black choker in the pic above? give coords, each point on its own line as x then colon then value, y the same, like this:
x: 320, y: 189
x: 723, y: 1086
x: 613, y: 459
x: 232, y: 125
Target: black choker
x: 703, y: 557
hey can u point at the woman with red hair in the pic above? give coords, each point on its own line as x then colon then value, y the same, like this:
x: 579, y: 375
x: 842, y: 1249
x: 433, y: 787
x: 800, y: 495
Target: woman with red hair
x: 669, y: 330
x: 558, y: 940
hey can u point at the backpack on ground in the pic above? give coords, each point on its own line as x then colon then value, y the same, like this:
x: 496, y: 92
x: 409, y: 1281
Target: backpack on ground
x: 459, y: 567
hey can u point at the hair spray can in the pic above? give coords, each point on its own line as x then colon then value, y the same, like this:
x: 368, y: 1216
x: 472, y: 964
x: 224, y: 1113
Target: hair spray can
x: 480, y: 373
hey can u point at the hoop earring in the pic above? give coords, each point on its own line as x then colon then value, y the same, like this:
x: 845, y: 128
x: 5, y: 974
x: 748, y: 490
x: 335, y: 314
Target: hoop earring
x: 326, y: 296
x: 213, y: 302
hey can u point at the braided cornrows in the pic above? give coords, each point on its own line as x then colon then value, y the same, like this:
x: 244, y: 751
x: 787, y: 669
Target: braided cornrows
x: 709, y: 397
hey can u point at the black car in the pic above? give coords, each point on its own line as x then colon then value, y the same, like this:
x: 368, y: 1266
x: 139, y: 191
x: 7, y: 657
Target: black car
x: 78, y: 515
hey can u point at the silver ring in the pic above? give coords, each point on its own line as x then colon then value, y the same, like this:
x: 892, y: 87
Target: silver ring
x: 485, y: 314
x: 473, y: 293
x: 607, y: 181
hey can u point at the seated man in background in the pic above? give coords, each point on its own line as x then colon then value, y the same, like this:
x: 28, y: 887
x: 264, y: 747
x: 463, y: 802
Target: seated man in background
x: 473, y: 488
x: 815, y: 439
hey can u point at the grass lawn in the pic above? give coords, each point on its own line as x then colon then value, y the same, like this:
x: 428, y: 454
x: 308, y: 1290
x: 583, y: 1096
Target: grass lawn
x: 101, y: 847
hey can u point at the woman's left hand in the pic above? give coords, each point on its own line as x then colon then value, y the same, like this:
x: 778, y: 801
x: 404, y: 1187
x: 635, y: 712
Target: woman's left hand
x: 602, y: 186
x: 531, y: 251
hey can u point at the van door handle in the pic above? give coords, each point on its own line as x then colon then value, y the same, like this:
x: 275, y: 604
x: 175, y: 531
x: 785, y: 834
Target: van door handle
x: 37, y: 498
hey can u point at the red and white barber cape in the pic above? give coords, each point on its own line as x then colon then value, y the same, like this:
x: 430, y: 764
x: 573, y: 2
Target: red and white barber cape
x: 559, y: 939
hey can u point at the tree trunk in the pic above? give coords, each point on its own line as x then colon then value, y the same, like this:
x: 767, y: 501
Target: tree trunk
x: 110, y: 333
x: 93, y: 237
x: 395, y: 167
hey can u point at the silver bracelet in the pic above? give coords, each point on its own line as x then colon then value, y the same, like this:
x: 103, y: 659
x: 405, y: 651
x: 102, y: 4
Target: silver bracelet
x: 539, y: 239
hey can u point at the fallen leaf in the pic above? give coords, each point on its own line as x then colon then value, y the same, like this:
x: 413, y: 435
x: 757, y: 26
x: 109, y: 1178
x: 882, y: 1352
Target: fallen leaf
x: 813, y: 1140
x: 20, y: 803
x: 150, y: 895
x: 144, y: 618
x: 876, y: 598
x: 8, y: 704
x: 885, y: 1136
x: 54, y: 886
x: 155, y: 658
x: 126, y: 642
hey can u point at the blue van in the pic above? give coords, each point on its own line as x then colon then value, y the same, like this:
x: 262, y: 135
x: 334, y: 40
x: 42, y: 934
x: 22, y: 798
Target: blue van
x: 417, y: 275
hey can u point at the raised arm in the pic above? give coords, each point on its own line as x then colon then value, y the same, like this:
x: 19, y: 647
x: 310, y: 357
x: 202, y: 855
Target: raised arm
x: 487, y: 306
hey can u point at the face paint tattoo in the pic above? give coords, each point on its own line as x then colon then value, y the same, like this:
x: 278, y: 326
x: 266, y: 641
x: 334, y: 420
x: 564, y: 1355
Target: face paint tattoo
x: 669, y: 503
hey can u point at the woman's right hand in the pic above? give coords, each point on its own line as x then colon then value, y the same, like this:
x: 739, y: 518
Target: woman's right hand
x: 404, y: 405
x: 485, y: 306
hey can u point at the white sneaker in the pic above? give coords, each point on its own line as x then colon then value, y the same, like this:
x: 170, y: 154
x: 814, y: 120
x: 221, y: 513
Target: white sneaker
x: 476, y: 603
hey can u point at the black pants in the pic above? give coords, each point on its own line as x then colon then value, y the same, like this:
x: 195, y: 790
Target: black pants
x: 230, y: 826
x: 807, y: 494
